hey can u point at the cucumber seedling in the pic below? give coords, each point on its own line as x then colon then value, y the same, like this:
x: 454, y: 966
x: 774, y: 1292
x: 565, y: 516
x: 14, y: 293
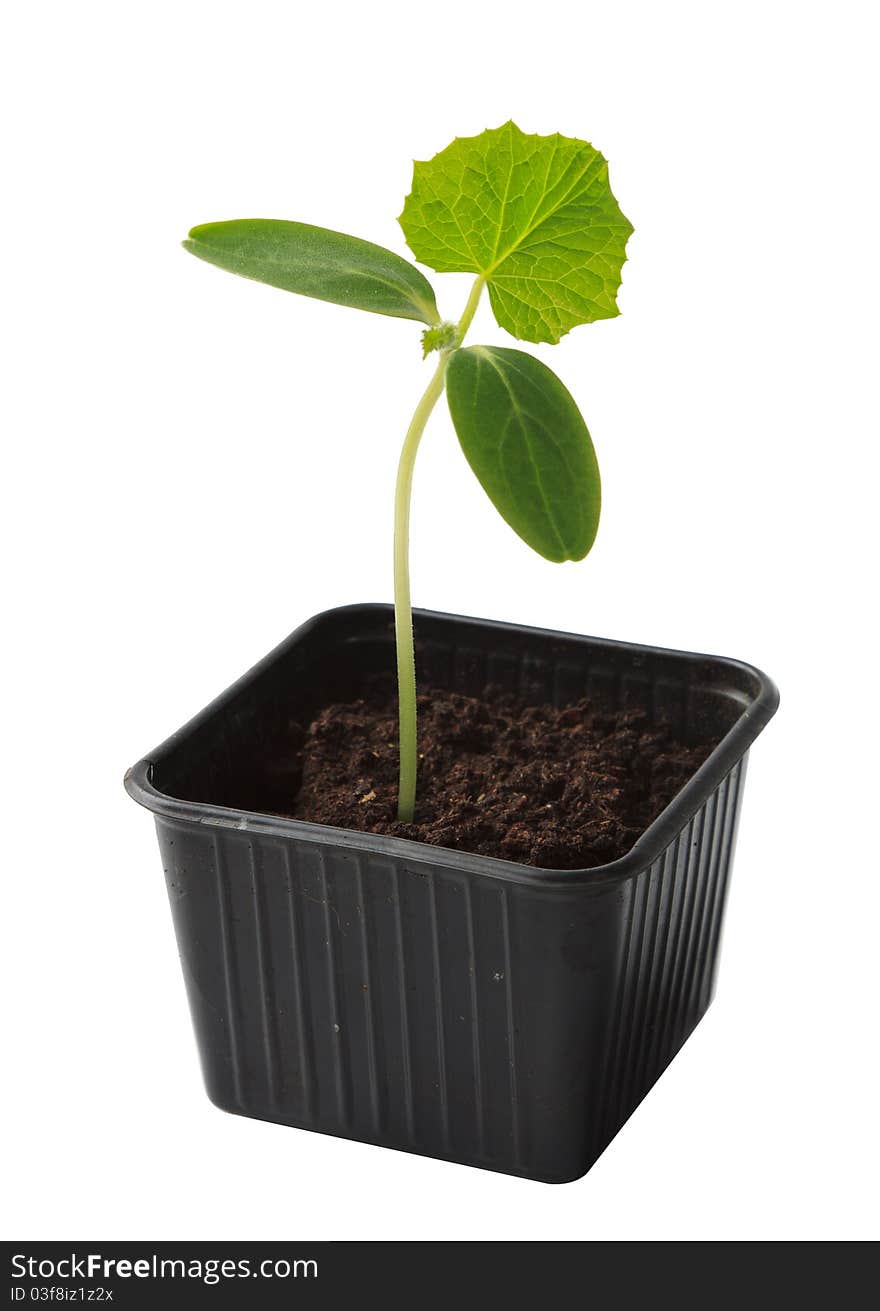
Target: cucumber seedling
x: 535, y: 220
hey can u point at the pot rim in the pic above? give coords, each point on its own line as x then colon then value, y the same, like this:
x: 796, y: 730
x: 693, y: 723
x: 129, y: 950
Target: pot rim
x: 645, y: 850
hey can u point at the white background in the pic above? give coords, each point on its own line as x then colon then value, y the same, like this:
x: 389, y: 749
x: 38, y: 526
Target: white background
x: 194, y: 464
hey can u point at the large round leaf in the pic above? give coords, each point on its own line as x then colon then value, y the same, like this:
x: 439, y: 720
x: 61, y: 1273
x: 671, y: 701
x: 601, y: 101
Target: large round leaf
x: 534, y: 216
x: 524, y: 438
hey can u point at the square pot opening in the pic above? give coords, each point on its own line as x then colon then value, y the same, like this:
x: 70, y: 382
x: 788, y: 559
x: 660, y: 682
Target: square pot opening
x: 234, y: 756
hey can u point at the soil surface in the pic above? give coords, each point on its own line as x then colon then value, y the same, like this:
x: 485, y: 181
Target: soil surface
x: 560, y: 789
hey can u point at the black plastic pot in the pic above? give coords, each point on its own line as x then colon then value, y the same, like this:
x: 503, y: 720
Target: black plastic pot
x: 424, y: 999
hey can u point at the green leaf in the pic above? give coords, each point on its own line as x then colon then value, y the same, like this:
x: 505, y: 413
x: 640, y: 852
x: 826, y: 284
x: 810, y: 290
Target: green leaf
x: 534, y: 216
x: 317, y: 262
x: 524, y: 438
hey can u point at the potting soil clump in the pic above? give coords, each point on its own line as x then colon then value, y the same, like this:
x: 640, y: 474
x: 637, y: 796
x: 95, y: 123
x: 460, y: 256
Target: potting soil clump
x: 565, y: 788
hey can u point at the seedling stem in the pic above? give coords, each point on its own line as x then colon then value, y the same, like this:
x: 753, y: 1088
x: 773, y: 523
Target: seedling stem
x: 406, y: 664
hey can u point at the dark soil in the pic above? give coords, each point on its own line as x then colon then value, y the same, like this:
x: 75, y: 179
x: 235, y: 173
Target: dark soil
x: 561, y: 789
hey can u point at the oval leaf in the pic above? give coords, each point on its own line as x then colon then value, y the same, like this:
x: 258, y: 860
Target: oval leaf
x: 524, y: 438
x: 535, y: 216
x: 319, y: 263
